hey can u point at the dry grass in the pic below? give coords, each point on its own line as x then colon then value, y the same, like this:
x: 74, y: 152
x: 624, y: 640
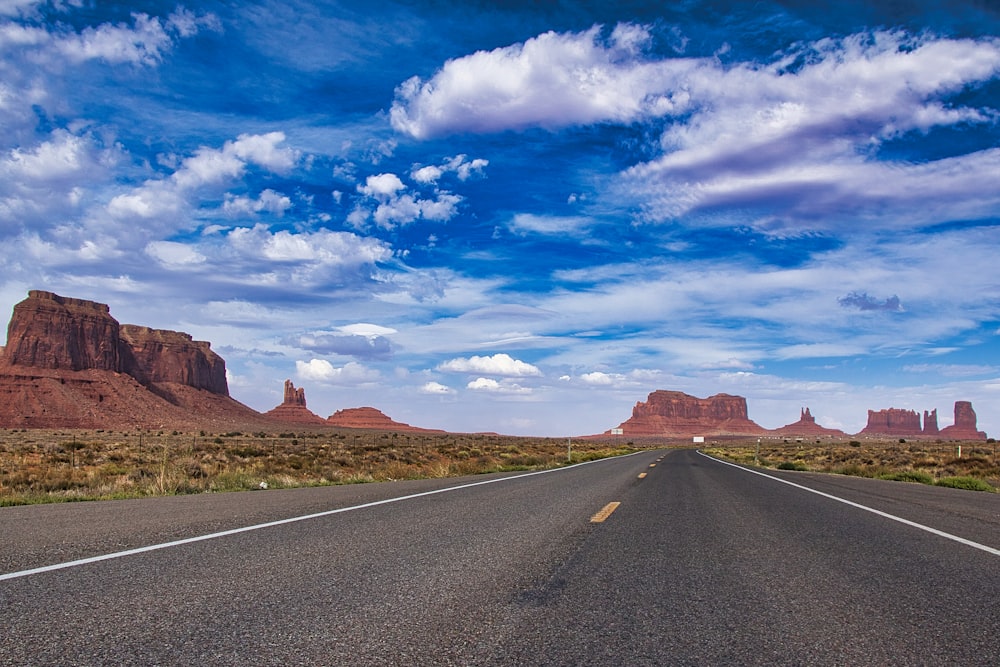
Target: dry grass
x: 928, y: 462
x: 53, y: 465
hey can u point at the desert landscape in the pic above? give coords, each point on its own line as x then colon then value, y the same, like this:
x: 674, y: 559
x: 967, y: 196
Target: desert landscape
x: 94, y: 409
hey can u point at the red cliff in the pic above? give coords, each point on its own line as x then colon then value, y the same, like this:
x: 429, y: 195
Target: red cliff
x: 674, y: 413
x: 893, y: 422
x: 69, y: 364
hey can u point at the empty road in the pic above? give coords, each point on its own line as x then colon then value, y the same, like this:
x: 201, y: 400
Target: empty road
x: 699, y: 563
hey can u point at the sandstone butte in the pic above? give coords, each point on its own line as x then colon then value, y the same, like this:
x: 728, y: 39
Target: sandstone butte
x: 293, y: 408
x: 370, y: 418
x: 676, y: 414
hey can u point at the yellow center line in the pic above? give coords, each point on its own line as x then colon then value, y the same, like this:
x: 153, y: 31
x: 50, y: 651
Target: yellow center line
x: 642, y: 475
x: 604, y: 513
x: 652, y: 465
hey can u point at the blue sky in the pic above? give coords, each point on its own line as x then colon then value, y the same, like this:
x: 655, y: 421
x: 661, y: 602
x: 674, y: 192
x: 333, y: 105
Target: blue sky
x: 523, y: 217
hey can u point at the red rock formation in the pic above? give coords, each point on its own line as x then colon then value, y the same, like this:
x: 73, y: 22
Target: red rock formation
x: 930, y: 422
x: 806, y: 426
x: 69, y: 364
x: 293, y: 408
x: 674, y: 413
x: 158, y: 355
x: 894, y: 422
x: 370, y: 418
x: 965, y: 427
x: 50, y: 331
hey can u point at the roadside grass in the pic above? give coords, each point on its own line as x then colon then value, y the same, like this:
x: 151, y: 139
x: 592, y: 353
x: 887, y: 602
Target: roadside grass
x: 966, y: 465
x: 44, y: 466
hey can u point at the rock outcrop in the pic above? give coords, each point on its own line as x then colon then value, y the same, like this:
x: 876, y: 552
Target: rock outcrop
x: 806, y: 426
x: 69, y: 364
x: 893, y: 422
x: 293, y: 408
x: 676, y: 414
x: 158, y: 355
x: 370, y: 418
x: 965, y: 427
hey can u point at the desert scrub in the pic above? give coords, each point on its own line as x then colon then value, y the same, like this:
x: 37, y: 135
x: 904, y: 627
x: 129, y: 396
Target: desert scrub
x: 967, y: 483
x: 908, y: 476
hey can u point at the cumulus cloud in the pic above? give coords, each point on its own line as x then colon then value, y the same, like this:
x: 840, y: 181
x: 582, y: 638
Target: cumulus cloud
x: 552, y: 81
x: 436, y: 388
x: 321, y: 370
x: 269, y: 201
x: 388, y: 202
x: 498, y: 364
x: 459, y: 165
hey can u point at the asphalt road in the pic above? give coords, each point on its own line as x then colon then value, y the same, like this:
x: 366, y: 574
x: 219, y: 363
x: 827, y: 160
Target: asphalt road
x: 702, y: 563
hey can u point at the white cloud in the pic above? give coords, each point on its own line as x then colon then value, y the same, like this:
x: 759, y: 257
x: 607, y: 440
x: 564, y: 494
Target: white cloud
x: 523, y: 223
x: 394, y: 206
x: 498, y: 364
x: 321, y: 370
x: 600, y: 378
x: 381, y: 186
x: 436, y: 388
x: 552, y: 80
x: 326, y: 247
x: 493, y: 386
x: 172, y: 254
x: 268, y: 201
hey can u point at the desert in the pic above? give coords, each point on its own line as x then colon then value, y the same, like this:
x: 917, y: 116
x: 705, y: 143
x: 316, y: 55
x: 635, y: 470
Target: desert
x: 92, y: 408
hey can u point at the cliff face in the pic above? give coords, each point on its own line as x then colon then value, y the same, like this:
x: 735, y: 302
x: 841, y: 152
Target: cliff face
x: 674, y: 413
x: 50, y: 331
x: 69, y: 364
x: 892, y: 421
x: 158, y: 355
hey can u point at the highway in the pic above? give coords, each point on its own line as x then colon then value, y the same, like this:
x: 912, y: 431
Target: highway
x: 699, y: 563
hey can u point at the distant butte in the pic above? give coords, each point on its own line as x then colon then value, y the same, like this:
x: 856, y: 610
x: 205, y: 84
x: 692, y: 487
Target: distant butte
x: 676, y: 414
x: 293, y: 408
x: 806, y: 426
x: 370, y: 418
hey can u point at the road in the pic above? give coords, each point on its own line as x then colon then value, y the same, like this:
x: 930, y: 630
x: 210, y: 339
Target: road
x: 701, y: 563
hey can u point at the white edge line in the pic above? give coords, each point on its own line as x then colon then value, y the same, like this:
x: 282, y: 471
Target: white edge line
x: 913, y: 524
x: 280, y: 522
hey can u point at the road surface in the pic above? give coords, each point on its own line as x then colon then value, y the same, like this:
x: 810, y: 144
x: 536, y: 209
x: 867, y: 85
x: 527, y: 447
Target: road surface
x: 699, y: 563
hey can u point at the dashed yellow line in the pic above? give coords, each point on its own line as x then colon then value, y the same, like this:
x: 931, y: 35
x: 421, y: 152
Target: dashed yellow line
x: 652, y: 465
x: 642, y: 475
x: 604, y: 513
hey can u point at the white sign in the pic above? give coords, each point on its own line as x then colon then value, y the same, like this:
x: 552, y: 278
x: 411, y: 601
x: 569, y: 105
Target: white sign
x: 617, y: 431
x: 699, y: 438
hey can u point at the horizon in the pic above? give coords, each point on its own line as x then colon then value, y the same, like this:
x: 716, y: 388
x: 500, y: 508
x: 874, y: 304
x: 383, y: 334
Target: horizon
x: 523, y: 218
